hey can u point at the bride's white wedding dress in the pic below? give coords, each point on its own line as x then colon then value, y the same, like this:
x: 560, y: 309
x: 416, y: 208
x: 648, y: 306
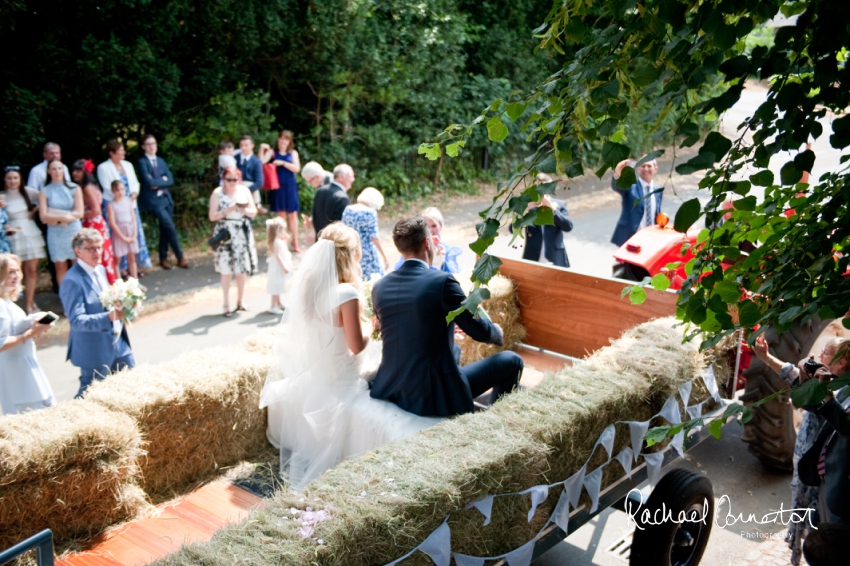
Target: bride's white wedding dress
x: 319, y: 408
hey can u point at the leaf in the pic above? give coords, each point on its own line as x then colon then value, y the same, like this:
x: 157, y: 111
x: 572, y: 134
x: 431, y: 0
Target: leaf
x: 789, y: 175
x: 811, y: 392
x: 515, y: 110
x: 687, y: 214
x: 717, y: 144
x: 547, y: 188
x: 749, y: 314
x: 496, y: 130
x: 485, y: 268
x: 544, y: 217
x: 716, y: 428
x: 805, y: 161
x: 660, y: 282
x: 613, y: 153
x: 430, y: 150
x: 488, y: 228
x: 637, y: 295
x: 747, y: 204
x: 741, y: 188
x: 657, y: 434
x: 453, y: 148
x: 627, y: 178
x: 762, y: 178
x: 645, y: 74
x: 649, y: 157
x: 729, y: 291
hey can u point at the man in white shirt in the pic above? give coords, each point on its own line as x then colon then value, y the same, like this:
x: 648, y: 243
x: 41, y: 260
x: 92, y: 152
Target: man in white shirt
x: 98, y: 342
x: 38, y: 174
x: 641, y: 201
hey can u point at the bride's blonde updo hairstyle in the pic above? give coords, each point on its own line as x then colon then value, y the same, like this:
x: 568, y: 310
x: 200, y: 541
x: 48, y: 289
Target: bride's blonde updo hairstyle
x: 348, y: 253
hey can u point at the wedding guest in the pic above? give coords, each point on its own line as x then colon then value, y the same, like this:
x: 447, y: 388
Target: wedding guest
x: 23, y: 385
x: 116, y: 168
x: 225, y: 157
x: 280, y: 262
x: 320, y: 180
x: 330, y: 202
x: 122, y: 221
x: 27, y: 241
x: 93, y: 217
x: 252, y: 170
x: 232, y: 208
x: 363, y: 217
x: 60, y: 207
x: 545, y: 244
x: 446, y: 256
x: 155, y: 197
x: 284, y: 200
x: 5, y: 246
x: 38, y: 174
x: 97, y: 342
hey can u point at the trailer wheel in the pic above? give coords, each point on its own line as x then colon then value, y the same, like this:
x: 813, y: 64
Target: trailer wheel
x: 661, y: 540
x: 629, y: 272
x: 770, y: 434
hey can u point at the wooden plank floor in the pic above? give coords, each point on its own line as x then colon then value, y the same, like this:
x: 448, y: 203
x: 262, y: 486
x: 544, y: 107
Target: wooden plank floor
x: 193, y: 518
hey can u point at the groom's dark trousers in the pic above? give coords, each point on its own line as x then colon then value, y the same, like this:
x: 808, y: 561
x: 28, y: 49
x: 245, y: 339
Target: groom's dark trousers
x: 418, y: 370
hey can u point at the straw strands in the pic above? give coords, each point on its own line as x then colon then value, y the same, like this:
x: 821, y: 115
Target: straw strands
x: 390, y: 500
x: 503, y: 308
x: 71, y: 468
x: 196, y: 413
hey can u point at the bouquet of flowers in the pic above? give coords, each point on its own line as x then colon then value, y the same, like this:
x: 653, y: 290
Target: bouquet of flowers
x: 368, y: 309
x: 127, y: 295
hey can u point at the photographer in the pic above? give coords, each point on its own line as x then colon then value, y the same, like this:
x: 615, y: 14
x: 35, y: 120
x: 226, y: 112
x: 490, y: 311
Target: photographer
x: 232, y: 208
x: 834, y: 360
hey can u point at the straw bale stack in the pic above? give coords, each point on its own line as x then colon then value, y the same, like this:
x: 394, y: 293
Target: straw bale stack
x: 196, y: 413
x: 503, y: 308
x: 389, y: 501
x: 72, y: 468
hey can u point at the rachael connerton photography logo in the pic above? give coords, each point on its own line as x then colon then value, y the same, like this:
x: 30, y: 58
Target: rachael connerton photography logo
x: 642, y: 517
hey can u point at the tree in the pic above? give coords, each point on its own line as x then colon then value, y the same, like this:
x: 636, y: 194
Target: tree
x: 663, y: 51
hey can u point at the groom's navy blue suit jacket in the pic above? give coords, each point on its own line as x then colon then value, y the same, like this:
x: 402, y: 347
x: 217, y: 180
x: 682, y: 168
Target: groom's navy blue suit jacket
x: 418, y: 371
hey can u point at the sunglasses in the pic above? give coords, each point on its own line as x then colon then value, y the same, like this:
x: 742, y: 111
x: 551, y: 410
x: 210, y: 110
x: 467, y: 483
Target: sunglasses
x: 232, y: 180
x: 9, y: 168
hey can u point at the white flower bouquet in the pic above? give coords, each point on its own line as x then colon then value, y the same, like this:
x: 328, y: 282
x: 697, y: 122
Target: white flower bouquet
x: 127, y: 295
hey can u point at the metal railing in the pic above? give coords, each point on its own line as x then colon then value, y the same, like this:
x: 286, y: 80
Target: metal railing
x: 42, y: 543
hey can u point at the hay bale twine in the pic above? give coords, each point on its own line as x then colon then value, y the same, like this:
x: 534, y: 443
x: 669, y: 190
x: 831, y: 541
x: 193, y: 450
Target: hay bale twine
x: 72, y: 468
x: 196, y: 413
x: 503, y: 308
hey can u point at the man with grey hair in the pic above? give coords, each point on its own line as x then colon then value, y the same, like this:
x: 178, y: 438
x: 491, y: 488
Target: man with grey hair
x: 38, y: 174
x: 641, y: 201
x: 98, y: 342
x: 330, y: 202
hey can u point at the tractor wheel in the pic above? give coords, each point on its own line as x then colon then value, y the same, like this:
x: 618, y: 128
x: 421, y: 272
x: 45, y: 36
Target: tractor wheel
x: 770, y: 434
x: 629, y: 272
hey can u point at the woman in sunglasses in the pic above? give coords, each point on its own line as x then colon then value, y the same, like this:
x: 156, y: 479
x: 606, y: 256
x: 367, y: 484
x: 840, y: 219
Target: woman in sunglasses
x: 232, y: 208
x: 26, y: 240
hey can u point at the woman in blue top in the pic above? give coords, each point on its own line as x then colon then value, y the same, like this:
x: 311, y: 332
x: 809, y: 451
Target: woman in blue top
x: 363, y: 217
x: 60, y: 206
x: 284, y: 200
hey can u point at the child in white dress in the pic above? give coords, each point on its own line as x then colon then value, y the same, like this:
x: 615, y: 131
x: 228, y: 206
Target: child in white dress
x: 122, y: 221
x: 280, y: 262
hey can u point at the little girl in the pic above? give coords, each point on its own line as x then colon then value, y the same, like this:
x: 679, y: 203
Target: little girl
x: 280, y: 261
x: 122, y: 220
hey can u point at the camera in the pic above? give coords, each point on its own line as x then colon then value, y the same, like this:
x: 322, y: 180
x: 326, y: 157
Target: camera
x: 811, y: 366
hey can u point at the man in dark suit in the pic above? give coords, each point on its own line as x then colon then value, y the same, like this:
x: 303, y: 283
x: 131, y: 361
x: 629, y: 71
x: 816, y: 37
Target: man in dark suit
x: 98, y: 342
x: 330, y: 202
x: 251, y: 168
x: 154, y: 196
x: 418, y: 370
x: 827, y: 463
x: 547, y: 242
x: 641, y: 202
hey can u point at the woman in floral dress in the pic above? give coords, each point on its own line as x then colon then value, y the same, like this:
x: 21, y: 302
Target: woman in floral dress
x: 81, y: 173
x: 363, y: 217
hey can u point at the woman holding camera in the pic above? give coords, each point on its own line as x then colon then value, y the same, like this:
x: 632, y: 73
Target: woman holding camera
x: 23, y: 385
x: 834, y: 360
x: 232, y: 208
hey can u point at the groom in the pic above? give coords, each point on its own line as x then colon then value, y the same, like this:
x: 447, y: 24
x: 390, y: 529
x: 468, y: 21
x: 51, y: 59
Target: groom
x: 418, y: 371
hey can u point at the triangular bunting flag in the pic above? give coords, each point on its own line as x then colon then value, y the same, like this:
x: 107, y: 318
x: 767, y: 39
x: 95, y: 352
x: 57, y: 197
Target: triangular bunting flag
x: 539, y: 493
x: 637, y: 430
x: 561, y: 514
x: 606, y: 439
x: 670, y: 411
x: 438, y: 545
x: 592, y: 483
x: 485, y: 505
x: 573, y: 486
x: 522, y: 555
x: 653, y: 466
x: 625, y: 459
x: 685, y: 392
x: 466, y: 560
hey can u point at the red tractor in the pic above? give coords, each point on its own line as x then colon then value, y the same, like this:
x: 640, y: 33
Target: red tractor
x: 650, y: 250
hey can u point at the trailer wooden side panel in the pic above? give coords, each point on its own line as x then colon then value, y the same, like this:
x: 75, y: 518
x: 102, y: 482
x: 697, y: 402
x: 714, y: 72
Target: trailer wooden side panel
x: 575, y: 314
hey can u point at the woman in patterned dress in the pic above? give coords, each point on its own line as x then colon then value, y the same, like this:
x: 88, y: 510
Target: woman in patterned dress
x: 363, y: 217
x: 284, y: 200
x: 60, y: 206
x: 93, y: 216
x: 232, y: 208
x: 27, y: 242
x: 116, y: 168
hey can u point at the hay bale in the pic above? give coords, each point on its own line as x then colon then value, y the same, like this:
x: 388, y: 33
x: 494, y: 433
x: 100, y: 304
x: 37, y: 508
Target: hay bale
x: 535, y: 436
x: 503, y: 308
x: 196, y: 413
x: 72, y: 468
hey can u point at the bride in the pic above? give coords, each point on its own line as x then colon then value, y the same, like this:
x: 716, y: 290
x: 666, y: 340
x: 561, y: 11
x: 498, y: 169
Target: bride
x: 319, y: 409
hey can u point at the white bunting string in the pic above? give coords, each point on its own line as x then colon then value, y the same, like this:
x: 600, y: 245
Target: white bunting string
x: 438, y: 543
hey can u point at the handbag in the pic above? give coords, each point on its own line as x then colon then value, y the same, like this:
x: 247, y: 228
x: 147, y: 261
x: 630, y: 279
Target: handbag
x: 270, y: 180
x: 221, y: 237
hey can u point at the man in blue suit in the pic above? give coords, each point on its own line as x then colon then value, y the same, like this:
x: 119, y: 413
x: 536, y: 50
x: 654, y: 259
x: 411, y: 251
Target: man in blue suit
x: 251, y: 168
x: 155, y: 197
x: 98, y: 342
x: 418, y: 370
x: 641, y: 201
